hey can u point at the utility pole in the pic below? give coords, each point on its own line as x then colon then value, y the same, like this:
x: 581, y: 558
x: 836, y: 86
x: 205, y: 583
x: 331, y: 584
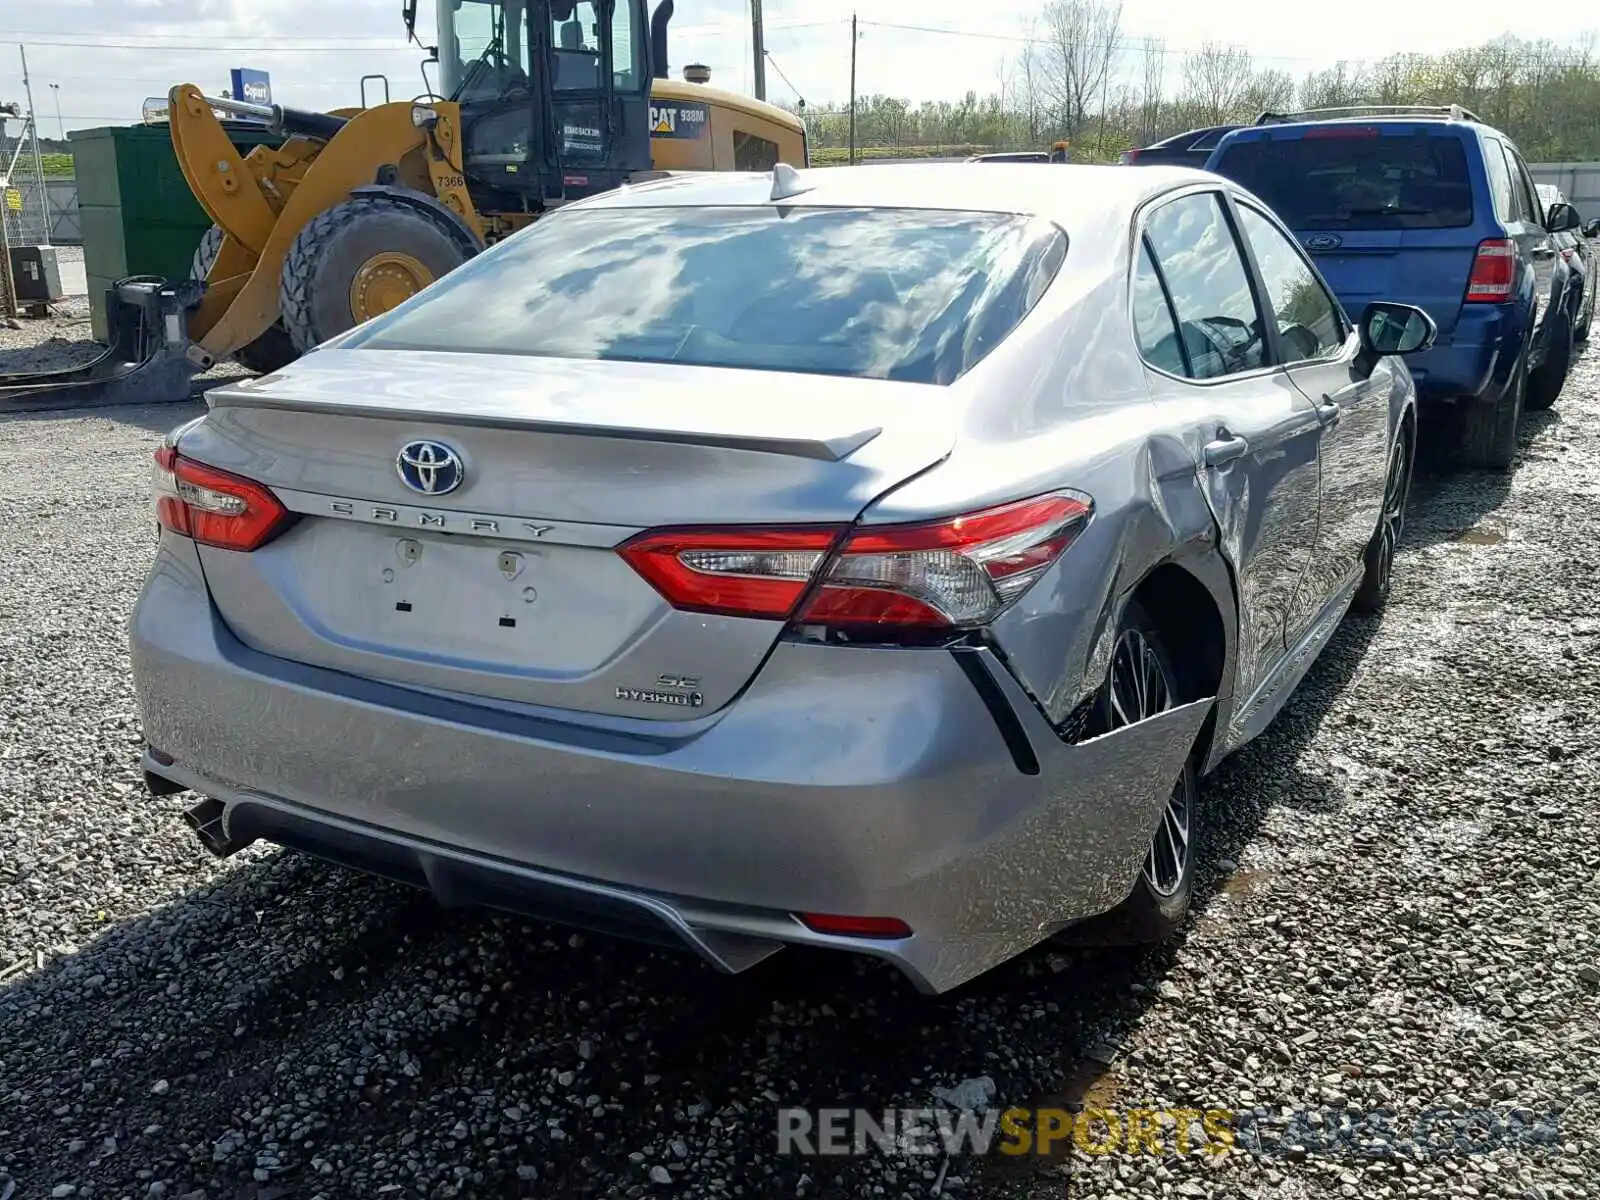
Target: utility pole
x: 38, y: 162
x: 853, y: 36
x: 61, y: 126
x: 758, y: 44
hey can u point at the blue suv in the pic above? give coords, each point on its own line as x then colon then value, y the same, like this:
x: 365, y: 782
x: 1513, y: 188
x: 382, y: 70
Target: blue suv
x: 1432, y: 207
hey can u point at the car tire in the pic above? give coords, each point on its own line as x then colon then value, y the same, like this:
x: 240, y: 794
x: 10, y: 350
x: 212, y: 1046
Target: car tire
x: 1378, y: 561
x: 369, y: 237
x: 272, y: 350
x: 1489, y: 427
x: 1545, y: 384
x: 1156, y: 907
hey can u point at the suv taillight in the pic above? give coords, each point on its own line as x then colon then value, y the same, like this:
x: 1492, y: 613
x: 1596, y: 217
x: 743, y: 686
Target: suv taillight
x: 214, y: 507
x: 955, y: 573
x: 1494, y: 271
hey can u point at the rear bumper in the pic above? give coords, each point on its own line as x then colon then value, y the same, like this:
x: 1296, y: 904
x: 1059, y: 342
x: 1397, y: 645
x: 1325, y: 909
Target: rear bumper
x: 1473, y: 360
x: 895, y: 783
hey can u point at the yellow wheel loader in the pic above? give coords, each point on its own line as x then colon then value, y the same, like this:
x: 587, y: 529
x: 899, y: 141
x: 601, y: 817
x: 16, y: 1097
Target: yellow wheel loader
x: 539, y: 102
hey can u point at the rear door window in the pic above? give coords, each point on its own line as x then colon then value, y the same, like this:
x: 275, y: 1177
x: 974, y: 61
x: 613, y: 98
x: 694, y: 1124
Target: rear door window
x: 1494, y: 162
x: 1308, y: 322
x: 1524, y: 181
x: 1334, y: 177
x: 1522, y: 202
x: 1154, y: 326
x: 1194, y: 246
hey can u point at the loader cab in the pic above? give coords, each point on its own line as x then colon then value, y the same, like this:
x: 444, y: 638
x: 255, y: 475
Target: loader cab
x: 554, y: 95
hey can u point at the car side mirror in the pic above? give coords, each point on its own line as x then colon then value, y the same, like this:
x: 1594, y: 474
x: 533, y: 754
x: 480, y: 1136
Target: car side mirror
x: 1391, y: 328
x: 1592, y: 229
x: 1562, y: 218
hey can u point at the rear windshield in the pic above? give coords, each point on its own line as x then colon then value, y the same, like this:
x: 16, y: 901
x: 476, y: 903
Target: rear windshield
x: 912, y: 295
x: 1405, y: 181
x: 1209, y: 139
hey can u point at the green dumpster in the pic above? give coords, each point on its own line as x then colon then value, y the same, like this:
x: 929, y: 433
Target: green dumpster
x: 137, y: 214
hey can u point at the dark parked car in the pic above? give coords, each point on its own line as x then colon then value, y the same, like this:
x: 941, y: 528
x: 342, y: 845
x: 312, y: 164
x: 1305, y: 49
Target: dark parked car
x: 1433, y: 207
x: 1188, y: 149
x: 1578, y: 248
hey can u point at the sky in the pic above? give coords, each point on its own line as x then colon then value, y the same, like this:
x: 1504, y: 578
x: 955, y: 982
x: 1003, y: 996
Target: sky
x: 106, y: 56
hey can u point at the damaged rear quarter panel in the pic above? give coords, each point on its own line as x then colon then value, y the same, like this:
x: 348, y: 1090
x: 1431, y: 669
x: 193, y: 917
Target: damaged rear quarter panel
x: 1064, y: 403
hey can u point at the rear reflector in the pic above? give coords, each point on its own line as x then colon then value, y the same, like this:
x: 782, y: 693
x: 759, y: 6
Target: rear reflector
x: 1493, y: 272
x: 214, y: 507
x: 959, y: 572
x: 862, y: 927
x: 1340, y: 131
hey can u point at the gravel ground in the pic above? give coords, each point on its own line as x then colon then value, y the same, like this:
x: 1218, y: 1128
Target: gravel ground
x: 1403, y: 916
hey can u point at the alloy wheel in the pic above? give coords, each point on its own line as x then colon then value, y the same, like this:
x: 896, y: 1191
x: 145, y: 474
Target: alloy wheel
x: 1139, y: 690
x: 1392, y: 521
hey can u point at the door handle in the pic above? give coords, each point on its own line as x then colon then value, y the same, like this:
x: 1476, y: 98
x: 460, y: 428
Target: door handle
x: 1328, y: 412
x: 1224, y: 450
x: 1544, y: 250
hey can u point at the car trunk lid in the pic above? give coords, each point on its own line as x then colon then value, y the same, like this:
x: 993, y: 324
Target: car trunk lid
x: 509, y: 585
x: 1428, y: 268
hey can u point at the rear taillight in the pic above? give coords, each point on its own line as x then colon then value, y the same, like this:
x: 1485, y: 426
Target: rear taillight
x: 214, y: 507
x: 1129, y: 156
x: 959, y: 572
x: 1493, y: 272
x: 736, y: 572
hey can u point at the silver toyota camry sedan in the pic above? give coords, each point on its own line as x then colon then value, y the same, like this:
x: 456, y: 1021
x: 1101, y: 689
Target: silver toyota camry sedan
x: 869, y: 558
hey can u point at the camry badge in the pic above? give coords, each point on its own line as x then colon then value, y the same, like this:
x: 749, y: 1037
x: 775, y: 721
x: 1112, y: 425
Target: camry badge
x: 431, y: 468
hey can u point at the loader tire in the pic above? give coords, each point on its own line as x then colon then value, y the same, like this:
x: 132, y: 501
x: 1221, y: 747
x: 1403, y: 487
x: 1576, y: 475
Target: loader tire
x: 360, y: 259
x: 269, y: 352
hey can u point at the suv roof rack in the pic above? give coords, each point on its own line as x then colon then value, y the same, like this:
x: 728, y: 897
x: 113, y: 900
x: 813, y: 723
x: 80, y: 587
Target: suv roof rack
x: 1441, y: 112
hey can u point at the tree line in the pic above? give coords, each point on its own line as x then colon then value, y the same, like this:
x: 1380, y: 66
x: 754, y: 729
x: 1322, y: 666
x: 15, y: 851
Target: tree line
x: 1079, y: 77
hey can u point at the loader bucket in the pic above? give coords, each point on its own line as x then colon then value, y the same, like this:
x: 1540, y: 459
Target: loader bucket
x: 148, y: 360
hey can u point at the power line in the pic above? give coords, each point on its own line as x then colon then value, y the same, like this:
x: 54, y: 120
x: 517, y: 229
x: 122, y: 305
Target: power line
x: 42, y: 37
x: 244, y: 46
x: 784, y: 77
x: 70, y: 39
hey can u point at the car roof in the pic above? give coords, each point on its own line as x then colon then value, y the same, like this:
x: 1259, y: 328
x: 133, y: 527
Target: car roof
x: 1066, y: 194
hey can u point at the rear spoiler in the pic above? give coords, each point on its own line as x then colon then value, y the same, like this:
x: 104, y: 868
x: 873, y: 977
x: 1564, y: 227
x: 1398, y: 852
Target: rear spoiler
x: 824, y: 449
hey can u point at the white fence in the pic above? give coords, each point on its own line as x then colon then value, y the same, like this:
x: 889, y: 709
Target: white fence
x: 1579, y: 182
x: 29, y: 216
